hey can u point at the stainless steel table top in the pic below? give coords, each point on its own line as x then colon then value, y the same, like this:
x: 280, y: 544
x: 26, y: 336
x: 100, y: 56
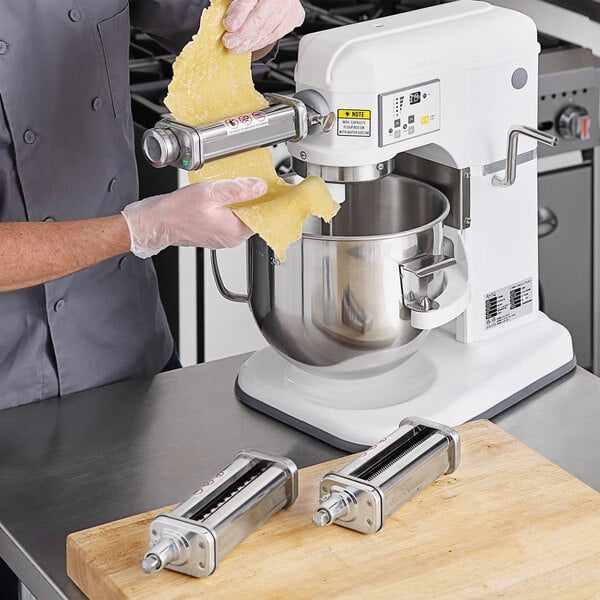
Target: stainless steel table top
x: 75, y: 462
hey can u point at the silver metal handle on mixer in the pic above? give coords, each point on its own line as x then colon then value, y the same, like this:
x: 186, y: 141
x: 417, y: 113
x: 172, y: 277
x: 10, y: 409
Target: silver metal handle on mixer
x: 423, y: 266
x: 428, y: 264
x: 511, y: 153
x: 214, y: 263
x: 453, y: 299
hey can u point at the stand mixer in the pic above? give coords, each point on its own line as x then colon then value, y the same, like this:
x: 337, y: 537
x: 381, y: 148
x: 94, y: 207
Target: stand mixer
x: 420, y: 298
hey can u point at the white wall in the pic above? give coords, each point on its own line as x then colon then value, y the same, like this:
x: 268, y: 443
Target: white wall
x: 559, y: 22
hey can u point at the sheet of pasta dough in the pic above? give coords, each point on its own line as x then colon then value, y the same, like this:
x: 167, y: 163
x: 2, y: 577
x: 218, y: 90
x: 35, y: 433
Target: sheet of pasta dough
x: 211, y: 84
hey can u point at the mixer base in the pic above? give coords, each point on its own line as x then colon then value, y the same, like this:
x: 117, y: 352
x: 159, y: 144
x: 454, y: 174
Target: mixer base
x: 446, y: 381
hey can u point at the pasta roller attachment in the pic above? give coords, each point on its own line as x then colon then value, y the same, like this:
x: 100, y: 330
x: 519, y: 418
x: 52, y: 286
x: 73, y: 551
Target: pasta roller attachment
x: 367, y: 490
x: 197, y: 534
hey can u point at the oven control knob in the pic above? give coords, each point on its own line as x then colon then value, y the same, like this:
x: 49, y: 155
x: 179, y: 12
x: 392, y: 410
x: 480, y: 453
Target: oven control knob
x: 573, y: 123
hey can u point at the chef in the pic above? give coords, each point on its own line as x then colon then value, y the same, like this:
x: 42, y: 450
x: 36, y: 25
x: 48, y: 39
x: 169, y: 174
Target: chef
x: 79, y: 303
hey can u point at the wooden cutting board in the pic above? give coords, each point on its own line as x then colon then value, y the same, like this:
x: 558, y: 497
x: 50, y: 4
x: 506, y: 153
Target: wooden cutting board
x: 507, y: 524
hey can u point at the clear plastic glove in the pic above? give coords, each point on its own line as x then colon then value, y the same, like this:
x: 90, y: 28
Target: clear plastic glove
x: 195, y: 215
x: 254, y: 25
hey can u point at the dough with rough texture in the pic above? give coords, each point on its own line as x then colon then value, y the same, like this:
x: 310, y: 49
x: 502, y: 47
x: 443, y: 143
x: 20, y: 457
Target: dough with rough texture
x: 278, y: 216
x: 211, y: 84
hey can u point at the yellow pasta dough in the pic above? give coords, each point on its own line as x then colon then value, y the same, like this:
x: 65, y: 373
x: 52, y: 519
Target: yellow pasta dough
x: 211, y: 84
x: 278, y: 216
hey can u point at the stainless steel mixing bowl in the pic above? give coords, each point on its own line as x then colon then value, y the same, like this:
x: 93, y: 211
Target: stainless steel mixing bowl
x: 337, y: 306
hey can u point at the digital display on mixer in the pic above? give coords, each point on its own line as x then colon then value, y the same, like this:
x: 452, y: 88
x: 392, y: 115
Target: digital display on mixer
x: 415, y: 98
x: 409, y: 112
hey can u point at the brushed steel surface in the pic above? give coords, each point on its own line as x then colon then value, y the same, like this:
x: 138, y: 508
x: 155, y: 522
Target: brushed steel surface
x: 222, y: 513
x: 337, y: 174
x: 453, y: 183
x: 339, y: 301
x: 172, y: 143
x: 71, y: 463
x: 387, y: 475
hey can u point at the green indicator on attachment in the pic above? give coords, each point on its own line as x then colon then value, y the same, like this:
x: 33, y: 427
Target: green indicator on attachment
x: 185, y: 162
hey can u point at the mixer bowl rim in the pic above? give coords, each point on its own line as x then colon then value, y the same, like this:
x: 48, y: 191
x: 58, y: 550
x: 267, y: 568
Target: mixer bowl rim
x: 406, y: 232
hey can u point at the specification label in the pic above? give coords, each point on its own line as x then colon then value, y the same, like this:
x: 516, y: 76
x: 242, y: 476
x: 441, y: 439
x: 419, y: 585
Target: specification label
x: 353, y: 122
x: 508, y: 303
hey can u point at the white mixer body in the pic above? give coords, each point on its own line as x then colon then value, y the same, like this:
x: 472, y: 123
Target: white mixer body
x: 446, y: 83
x: 443, y: 86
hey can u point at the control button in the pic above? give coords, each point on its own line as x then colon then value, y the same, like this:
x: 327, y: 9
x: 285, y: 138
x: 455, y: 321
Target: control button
x: 74, y: 15
x: 411, y: 130
x: 397, y: 123
x: 411, y: 119
x: 390, y: 131
x: 59, y: 305
x: 112, y: 184
x: 97, y: 103
x: 122, y: 262
x: 3, y: 47
x: 397, y: 133
x: 404, y: 126
x: 424, y: 119
x: 49, y: 220
x: 519, y: 78
x: 29, y: 137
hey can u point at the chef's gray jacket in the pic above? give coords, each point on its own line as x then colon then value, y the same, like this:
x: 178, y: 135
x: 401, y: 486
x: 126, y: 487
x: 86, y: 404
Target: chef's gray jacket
x: 66, y: 153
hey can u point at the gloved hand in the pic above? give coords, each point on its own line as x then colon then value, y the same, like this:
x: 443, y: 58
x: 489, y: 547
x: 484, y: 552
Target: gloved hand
x: 195, y: 215
x: 254, y: 25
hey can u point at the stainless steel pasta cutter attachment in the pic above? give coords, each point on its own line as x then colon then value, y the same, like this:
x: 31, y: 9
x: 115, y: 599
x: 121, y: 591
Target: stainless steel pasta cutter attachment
x: 197, y: 534
x: 362, y: 494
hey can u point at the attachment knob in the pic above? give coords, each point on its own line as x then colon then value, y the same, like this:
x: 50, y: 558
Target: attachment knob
x: 334, y: 506
x: 573, y: 123
x: 160, y: 147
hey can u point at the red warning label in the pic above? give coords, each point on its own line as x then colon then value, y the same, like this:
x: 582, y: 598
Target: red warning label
x: 245, y: 122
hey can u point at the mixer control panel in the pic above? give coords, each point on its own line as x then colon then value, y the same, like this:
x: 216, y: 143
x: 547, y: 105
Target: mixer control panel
x: 409, y: 112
